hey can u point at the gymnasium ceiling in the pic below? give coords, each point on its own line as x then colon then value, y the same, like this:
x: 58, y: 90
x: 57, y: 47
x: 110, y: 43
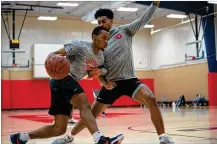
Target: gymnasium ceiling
x: 86, y: 9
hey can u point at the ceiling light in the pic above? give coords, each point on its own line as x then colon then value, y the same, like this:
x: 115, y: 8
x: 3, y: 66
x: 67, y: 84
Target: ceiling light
x: 94, y: 22
x: 127, y: 9
x: 47, y: 18
x: 148, y: 26
x: 67, y: 4
x: 212, y: 2
x: 176, y: 16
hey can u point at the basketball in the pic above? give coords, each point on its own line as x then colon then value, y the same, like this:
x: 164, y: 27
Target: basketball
x: 57, y: 66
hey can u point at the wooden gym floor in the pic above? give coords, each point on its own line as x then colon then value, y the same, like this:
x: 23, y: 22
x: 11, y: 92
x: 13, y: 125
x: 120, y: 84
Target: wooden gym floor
x: 185, y: 125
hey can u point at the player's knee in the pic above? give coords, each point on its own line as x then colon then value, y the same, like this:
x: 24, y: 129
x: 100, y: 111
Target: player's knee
x: 152, y: 100
x: 96, y: 114
x: 149, y: 93
x: 97, y: 108
x: 86, y: 106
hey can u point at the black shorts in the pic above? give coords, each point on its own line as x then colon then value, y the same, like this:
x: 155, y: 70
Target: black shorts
x: 61, y: 94
x: 127, y: 87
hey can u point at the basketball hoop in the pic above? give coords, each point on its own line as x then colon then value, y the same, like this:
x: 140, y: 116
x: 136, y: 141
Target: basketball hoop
x: 190, y: 57
x: 15, y: 65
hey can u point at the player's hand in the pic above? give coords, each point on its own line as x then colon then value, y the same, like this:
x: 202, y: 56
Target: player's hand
x: 49, y: 56
x: 52, y: 55
x: 94, y: 73
x: 157, y: 3
x: 109, y: 85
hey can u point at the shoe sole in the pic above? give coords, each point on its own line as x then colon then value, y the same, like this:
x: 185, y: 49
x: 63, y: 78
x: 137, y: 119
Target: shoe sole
x: 119, y: 139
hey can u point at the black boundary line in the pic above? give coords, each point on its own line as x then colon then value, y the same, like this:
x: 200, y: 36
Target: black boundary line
x: 143, y: 131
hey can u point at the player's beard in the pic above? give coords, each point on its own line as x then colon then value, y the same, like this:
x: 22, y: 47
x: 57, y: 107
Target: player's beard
x: 102, y: 49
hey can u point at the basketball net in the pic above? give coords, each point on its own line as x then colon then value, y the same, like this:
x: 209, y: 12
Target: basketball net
x: 14, y: 65
x: 190, y: 57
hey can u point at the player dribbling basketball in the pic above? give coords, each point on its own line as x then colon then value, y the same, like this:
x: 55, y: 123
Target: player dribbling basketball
x: 83, y: 56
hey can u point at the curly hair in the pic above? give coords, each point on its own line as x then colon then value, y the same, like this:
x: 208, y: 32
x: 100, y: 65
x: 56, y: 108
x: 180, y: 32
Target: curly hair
x: 104, y: 12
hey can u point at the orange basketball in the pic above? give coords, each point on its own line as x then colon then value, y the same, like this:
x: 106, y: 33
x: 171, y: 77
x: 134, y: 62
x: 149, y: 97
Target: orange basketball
x: 57, y: 66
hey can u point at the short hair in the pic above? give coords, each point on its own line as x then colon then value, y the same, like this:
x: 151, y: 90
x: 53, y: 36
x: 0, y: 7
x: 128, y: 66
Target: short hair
x: 104, y: 12
x: 97, y: 30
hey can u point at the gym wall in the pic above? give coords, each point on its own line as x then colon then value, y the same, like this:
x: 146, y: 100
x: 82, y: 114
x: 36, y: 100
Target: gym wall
x: 186, y: 80
x: 20, y: 90
x: 169, y: 45
x: 63, y: 31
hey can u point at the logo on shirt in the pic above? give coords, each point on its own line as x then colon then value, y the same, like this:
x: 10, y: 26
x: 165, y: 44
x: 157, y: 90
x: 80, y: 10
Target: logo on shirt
x: 90, y: 64
x: 118, y: 36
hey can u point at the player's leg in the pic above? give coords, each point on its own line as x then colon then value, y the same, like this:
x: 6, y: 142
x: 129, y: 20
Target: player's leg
x: 102, y: 100
x: 56, y: 129
x: 60, y: 108
x: 144, y: 95
x: 71, y: 119
x: 76, y: 96
x: 96, y: 109
x: 95, y: 94
x: 81, y: 102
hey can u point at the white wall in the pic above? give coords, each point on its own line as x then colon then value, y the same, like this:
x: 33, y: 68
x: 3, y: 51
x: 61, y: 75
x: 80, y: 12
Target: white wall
x: 40, y: 53
x: 162, y: 48
x: 169, y: 45
x: 141, y: 49
x: 46, y: 32
x: 63, y: 31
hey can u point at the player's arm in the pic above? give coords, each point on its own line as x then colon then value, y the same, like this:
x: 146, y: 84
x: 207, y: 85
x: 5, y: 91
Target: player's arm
x: 96, y: 72
x: 102, y: 80
x: 107, y: 84
x: 68, y: 49
x: 61, y: 51
x: 133, y: 27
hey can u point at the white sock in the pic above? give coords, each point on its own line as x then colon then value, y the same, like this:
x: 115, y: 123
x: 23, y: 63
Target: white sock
x: 24, y: 137
x: 161, y: 135
x: 96, y: 136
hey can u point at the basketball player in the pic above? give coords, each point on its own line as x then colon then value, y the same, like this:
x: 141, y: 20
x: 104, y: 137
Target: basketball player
x: 119, y: 62
x: 71, y: 119
x: 83, y: 56
x: 95, y: 94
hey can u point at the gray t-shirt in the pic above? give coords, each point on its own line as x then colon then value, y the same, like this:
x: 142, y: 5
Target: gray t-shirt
x: 82, y: 58
x: 118, y: 55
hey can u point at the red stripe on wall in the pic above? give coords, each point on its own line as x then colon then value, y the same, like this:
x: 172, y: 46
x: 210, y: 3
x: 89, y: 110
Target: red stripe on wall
x: 24, y: 94
x: 212, y: 89
x: 6, y: 94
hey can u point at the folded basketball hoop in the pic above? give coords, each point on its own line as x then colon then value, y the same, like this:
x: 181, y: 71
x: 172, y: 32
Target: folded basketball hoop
x: 190, y: 57
x: 14, y: 65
